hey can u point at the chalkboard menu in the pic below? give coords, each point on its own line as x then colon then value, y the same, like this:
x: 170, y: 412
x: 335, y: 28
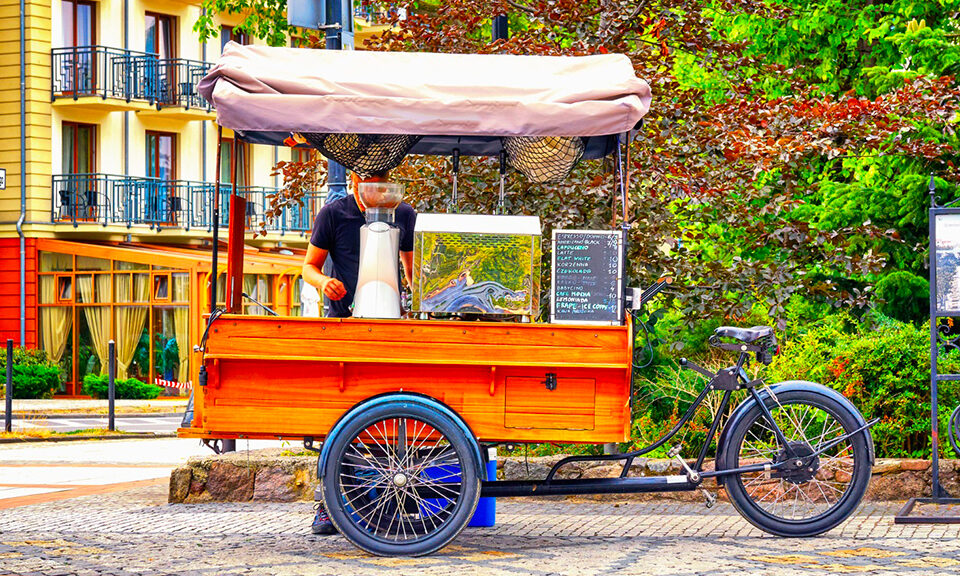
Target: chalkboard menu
x: 587, y: 287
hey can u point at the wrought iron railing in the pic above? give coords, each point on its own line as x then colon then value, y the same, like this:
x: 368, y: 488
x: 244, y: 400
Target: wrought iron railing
x: 178, y: 79
x: 109, y: 199
x: 126, y: 74
x: 102, y: 71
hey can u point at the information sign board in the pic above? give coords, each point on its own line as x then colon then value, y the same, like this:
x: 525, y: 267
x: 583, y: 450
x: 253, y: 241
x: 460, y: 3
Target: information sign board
x: 587, y: 286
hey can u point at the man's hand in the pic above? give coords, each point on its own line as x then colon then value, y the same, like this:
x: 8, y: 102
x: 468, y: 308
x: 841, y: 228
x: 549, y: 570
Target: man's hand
x: 333, y: 288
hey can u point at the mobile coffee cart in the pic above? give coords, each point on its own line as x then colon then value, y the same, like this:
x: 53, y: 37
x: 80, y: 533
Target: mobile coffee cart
x: 405, y: 406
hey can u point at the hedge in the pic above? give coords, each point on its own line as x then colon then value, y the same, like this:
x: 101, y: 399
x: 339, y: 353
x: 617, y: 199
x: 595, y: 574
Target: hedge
x: 32, y: 381
x: 34, y: 374
x: 130, y: 389
x: 883, y: 366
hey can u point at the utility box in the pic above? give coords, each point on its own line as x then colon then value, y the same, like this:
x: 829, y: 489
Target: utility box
x: 477, y: 265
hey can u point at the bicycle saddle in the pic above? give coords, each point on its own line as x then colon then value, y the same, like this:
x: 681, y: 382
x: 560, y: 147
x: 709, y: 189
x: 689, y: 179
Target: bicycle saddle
x: 745, y: 335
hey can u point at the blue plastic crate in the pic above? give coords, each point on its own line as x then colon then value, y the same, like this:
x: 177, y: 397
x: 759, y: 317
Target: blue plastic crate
x: 486, y: 513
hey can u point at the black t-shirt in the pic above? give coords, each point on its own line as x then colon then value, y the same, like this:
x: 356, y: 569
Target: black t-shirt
x: 337, y: 230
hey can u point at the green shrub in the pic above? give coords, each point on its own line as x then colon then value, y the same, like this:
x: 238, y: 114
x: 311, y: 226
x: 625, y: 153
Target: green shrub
x: 33, y: 381
x: 34, y: 374
x: 25, y: 357
x: 905, y: 296
x: 130, y: 389
x: 883, y: 367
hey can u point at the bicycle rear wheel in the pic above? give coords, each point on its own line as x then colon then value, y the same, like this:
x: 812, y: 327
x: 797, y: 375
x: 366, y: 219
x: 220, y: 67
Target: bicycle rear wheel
x: 798, y: 501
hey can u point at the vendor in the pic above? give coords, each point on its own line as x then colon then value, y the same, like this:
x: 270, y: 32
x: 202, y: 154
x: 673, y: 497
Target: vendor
x: 336, y: 231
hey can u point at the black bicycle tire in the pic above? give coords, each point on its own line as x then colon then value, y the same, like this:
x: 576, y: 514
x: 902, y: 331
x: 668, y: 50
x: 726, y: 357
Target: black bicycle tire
x: 470, y: 479
x: 851, y: 499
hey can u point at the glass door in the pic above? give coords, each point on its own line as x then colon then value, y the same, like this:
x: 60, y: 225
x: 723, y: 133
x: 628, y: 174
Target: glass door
x: 161, y: 40
x: 162, y: 205
x: 76, y: 68
x: 78, y: 198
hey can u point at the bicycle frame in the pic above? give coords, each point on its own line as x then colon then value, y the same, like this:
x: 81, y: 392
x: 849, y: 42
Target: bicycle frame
x: 727, y: 380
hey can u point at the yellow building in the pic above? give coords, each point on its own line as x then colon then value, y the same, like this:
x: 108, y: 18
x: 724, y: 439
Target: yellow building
x: 119, y: 155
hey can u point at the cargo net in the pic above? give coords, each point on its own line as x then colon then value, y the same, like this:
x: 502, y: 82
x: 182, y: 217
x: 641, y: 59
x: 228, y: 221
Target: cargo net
x: 543, y: 158
x: 366, y: 154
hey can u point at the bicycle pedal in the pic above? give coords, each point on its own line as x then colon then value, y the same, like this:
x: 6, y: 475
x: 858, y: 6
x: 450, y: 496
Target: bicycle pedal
x: 674, y: 452
x: 710, y: 498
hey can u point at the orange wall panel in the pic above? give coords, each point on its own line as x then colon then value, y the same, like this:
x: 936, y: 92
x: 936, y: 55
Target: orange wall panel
x: 10, y: 291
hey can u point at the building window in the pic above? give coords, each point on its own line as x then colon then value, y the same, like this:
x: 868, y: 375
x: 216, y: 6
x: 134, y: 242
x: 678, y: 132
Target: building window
x: 80, y: 312
x: 231, y: 34
x: 79, y: 148
x: 161, y: 155
x: 79, y: 23
x: 226, y: 159
x: 162, y: 203
x: 78, y: 195
x: 160, y: 38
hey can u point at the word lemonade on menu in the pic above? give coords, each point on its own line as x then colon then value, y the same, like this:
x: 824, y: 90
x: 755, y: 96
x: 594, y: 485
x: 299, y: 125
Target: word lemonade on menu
x: 586, y: 280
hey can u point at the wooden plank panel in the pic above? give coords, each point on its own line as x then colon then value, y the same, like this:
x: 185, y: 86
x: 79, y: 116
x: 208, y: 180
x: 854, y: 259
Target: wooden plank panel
x: 283, y: 398
x: 427, y: 353
x: 530, y: 395
x: 411, y: 341
x: 529, y: 404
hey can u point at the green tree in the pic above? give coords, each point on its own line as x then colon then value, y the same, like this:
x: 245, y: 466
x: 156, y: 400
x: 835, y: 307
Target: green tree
x: 752, y: 176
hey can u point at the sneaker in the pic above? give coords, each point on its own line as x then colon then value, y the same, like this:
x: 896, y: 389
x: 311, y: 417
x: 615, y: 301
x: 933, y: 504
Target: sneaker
x: 321, y: 522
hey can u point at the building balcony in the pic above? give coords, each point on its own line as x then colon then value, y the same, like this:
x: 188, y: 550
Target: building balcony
x: 111, y: 78
x: 115, y: 200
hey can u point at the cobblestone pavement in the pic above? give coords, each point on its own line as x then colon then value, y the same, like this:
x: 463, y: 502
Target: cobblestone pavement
x: 136, y: 532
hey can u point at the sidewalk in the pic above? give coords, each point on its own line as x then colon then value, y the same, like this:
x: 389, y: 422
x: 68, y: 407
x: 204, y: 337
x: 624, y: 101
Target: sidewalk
x: 170, y: 405
x: 47, y: 472
x: 134, y: 531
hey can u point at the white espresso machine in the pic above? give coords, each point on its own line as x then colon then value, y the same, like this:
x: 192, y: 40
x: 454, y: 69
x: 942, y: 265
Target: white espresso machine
x: 378, y: 290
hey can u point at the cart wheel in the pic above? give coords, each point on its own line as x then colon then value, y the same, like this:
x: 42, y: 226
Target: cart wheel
x: 401, y: 480
x: 803, y: 501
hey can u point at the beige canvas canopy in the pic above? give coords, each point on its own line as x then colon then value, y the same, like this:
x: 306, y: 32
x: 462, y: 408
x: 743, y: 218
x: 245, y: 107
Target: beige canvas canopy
x: 261, y: 90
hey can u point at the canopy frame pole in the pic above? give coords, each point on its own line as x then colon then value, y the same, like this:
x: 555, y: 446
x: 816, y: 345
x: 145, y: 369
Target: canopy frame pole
x: 456, y: 175
x: 626, y: 185
x: 622, y: 180
x: 216, y: 225
x: 501, y: 201
x: 238, y: 212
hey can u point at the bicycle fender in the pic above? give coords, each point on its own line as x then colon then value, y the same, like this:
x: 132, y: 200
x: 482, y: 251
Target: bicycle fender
x: 402, y: 399
x: 778, y: 388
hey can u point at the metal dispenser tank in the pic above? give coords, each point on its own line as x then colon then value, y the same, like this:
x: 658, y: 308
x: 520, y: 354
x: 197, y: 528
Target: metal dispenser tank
x: 477, y: 265
x: 378, y: 283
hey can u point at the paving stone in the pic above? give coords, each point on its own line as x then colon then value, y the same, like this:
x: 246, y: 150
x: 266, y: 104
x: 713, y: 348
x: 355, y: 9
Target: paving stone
x: 137, y: 532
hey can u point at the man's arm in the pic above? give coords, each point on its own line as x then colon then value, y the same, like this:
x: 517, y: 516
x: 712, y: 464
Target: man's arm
x: 312, y: 266
x: 407, y: 259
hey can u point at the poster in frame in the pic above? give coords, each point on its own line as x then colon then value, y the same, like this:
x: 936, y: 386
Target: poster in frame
x: 947, y: 234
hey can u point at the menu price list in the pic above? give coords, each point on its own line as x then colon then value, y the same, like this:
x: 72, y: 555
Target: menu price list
x: 586, y: 267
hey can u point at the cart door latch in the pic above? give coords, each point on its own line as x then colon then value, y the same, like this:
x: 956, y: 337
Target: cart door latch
x: 551, y: 381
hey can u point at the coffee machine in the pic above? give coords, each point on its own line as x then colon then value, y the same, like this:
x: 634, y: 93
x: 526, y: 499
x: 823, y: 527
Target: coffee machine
x: 378, y: 283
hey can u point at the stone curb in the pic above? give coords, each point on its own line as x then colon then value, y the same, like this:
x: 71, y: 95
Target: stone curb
x: 127, y: 436
x: 276, y: 475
